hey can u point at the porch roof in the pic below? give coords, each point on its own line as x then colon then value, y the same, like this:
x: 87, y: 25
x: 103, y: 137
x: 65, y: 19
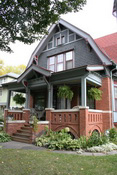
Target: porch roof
x: 30, y: 71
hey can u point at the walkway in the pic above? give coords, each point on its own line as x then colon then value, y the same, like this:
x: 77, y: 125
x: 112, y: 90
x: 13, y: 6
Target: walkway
x: 19, y: 145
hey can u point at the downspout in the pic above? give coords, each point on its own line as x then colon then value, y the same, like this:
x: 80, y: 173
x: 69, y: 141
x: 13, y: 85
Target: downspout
x: 111, y: 73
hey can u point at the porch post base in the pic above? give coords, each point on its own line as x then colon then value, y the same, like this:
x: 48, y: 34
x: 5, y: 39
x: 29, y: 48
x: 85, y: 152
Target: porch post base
x: 26, y: 115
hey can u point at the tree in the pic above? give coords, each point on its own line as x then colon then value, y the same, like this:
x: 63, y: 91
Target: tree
x: 7, y: 69
x: 26, y: 20
x: 1, y: 67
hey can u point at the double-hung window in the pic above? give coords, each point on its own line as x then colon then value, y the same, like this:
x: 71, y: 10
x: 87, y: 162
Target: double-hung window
x: 61, y: 62
x: 69, y: 60
x: 51, y: 63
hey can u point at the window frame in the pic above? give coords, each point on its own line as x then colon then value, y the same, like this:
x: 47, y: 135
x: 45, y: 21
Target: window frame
x: 1, y: 92
x: 64, y: 61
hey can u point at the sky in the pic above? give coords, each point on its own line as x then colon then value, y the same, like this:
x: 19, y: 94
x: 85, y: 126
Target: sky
x: 95, y: 18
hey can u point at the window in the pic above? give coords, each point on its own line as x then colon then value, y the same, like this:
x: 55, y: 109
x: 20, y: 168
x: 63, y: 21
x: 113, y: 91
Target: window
x: 115, y: 92
x: 0, y: 91
x: 58, y: 42
x: 51, y: 64
x: 50, y: 43
x: 61, y: 62
x: 62, y: 39
x: 69, y: 60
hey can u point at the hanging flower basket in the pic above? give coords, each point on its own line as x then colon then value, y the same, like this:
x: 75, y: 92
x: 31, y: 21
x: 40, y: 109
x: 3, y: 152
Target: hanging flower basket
x: 65, y: 92
x: 19, y: 99
x: 95, y: 93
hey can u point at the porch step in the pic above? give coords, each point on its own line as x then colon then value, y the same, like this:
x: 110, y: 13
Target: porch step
x: 21, y: 139
x: 23, y: 135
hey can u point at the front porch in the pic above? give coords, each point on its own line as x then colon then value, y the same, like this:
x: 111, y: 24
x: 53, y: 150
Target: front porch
x: 41, y: 96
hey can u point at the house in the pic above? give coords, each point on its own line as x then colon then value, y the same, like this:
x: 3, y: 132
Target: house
x: 9, y: 77
x: 66, y: 56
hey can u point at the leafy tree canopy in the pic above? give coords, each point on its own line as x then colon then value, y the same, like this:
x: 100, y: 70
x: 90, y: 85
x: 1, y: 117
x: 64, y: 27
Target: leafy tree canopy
x: 7, y: 69
x: 27, y: 20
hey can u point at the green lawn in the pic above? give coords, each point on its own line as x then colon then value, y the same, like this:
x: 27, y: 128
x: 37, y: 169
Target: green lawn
x: 28, y: 162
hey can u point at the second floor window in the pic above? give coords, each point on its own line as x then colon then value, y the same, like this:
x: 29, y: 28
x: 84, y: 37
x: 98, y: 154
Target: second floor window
x: 0, y: 91
x: 61, y: 62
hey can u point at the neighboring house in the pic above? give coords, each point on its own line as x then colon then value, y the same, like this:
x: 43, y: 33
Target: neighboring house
x: 10, y: 77
x: 66, y: 56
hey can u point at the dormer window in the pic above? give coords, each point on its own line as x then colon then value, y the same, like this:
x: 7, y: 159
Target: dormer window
x: 62, y: 39
x: 58, y: 41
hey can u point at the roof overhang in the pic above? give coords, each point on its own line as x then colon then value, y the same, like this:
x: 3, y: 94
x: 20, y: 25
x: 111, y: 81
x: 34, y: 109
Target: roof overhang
x: 104, y: 58
x: 95, y: 68
x: 33, y: 68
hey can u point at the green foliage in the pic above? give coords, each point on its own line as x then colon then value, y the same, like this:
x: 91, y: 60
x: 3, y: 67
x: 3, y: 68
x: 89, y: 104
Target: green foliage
x: 95, y: 93
x: 62, y: 140
x: 1, y: 115
x: 25, y: 20
x: 19, y: 99
x: 113, y: 134
x: 95, y: 140
x: 4, y: 137
x: 65, y: 92
x: 35, y: 125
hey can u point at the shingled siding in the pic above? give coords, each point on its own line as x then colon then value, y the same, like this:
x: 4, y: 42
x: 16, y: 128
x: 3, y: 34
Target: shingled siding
x: 83, y: 56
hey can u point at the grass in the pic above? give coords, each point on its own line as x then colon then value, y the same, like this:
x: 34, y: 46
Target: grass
x: 30, y: 162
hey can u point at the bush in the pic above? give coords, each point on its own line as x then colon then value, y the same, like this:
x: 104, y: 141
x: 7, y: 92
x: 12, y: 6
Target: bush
x: 95, y: 139
x: 103, y: 148
x: 113, y: 134
x: 4, y: 137
x: 63, y: 140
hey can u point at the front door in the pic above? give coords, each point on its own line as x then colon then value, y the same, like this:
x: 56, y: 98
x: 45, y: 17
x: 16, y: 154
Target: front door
x: 40, y: 104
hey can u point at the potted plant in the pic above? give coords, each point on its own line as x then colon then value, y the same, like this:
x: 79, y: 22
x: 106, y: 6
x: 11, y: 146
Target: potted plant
x: 95, y: 93
x: 65, y: 92
x: 19, y: 99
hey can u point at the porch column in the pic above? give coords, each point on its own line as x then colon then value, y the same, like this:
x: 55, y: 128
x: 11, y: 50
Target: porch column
x: 27, y: 98
x: 50, y: 96
x: 83, y: 92
x: 8, y: 99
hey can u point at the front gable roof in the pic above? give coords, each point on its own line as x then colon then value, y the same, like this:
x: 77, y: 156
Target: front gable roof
x: 76, y: 30
x: 28, y: 73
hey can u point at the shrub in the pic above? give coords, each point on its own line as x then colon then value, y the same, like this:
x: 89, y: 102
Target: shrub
x: 103, y: 148
x: 63, y: 140
x: 95, y: 139
x: 113, y: 134
x: 4, y: 137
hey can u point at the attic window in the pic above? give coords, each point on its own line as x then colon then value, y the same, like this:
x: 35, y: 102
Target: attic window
x: 58, y: 42
x: 50, y: 44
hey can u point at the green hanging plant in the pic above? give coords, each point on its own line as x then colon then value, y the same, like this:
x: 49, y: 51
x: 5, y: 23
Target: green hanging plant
x: 19, y: 99
x: 65, y: 92
x: 95, y: 93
